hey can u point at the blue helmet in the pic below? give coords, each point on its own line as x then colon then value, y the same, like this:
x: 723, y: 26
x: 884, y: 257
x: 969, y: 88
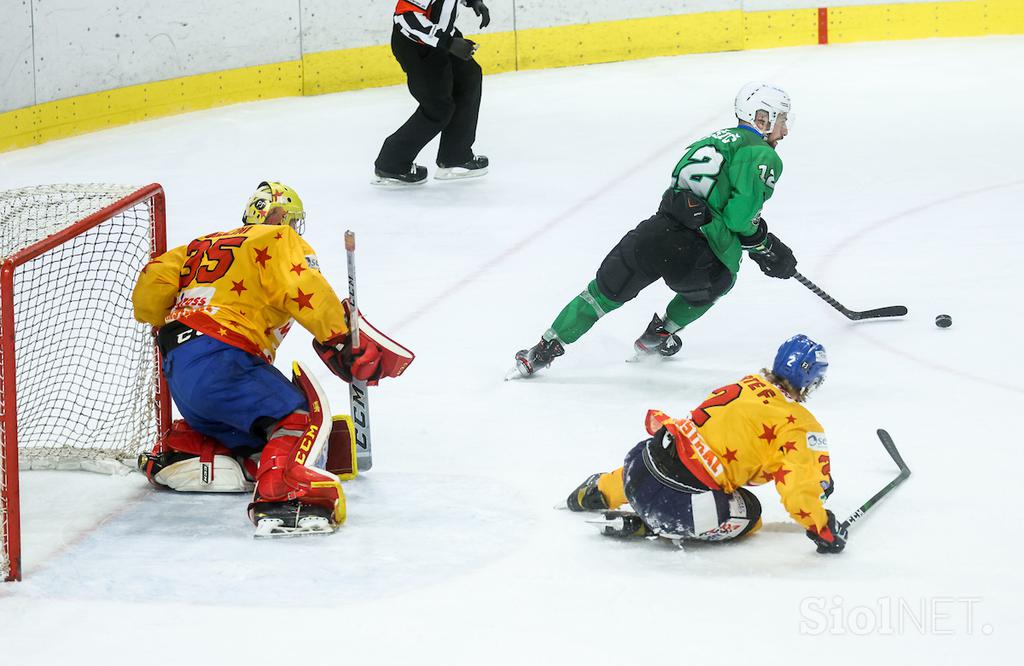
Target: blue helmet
x: 802, y: 363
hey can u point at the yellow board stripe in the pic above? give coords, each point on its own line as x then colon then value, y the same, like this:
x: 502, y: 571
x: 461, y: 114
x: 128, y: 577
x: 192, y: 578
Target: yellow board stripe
x: 352, y: 69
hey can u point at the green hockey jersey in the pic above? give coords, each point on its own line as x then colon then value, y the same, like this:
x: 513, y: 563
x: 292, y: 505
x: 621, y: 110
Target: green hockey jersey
x: 734, y: 171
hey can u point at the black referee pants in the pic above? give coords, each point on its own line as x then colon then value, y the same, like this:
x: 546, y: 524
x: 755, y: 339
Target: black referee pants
x: 448, y: 91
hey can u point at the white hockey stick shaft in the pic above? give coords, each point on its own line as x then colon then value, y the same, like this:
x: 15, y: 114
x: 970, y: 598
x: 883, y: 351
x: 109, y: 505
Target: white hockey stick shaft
x: 359, y: 400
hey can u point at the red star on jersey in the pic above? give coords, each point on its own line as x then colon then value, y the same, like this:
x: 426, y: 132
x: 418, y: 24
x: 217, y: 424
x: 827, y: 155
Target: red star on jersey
x: 279, y: 236
x: 238, y: 287
x: 788, y: 446
x: 730, y: 455
x: 303, y: 300
x: 297, y: 269
x: 791, y: 419
x: 780, y: 475
x: 262, y: 256
x: 769, y: 433
x: 803, y: 514
x: 767, y: 476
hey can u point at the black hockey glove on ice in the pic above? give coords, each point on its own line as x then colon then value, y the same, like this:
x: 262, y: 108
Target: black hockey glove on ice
x: 462, y: 48
x: 776, y: 259
x: 832, y: 539
x: 480, y: 9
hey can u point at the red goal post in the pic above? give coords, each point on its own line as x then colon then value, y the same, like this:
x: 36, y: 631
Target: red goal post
x: 80, y: 378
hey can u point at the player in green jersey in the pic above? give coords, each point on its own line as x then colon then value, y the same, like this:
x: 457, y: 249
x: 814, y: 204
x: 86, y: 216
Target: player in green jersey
x: 708, y: 216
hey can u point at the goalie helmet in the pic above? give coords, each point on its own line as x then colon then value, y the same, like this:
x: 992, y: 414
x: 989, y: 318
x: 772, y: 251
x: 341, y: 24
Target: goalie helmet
x: 756, y: 96
x: 802, y: 363
x: 270, y: 195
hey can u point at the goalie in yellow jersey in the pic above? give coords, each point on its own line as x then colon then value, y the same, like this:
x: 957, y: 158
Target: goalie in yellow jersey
x: 222, y: 304
x: 687, y: 481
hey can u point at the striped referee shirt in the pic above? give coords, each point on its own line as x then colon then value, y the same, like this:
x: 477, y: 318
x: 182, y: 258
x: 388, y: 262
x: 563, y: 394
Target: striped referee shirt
x: 430, y: 22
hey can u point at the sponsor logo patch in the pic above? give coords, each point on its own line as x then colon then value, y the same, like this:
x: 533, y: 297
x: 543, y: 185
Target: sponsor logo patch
x: 816, y: 441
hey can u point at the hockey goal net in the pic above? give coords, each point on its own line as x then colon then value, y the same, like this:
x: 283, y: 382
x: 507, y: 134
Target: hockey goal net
x: 81, y: 387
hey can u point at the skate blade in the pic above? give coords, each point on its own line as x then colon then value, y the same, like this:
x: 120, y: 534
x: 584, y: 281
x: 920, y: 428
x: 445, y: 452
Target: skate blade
x: 394, y: 182
x: 456, y: 173
x: 273, y: 528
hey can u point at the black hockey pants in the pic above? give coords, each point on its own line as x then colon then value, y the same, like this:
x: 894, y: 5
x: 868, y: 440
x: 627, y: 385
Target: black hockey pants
x: 448, y: 90
x: 661, y: 247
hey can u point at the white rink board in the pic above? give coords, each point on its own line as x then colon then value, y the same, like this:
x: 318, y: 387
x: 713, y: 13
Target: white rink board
x: 17, y: 86
x: 80, y: 49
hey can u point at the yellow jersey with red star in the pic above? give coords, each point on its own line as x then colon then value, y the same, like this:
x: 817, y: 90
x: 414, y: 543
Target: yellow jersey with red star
x: 244, y: 287
x: 750, y: 433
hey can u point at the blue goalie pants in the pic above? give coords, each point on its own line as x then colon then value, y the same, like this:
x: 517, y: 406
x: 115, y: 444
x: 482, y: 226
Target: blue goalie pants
x: 228, y: 394
x: 674, y: 508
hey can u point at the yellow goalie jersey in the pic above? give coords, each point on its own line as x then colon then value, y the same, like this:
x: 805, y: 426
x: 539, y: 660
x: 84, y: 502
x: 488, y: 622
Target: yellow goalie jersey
x: 750, y: 433
x: 243, y: 287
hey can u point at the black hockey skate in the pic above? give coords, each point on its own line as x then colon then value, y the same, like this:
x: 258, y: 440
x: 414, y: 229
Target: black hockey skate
x: 471, y: 169
x: 287, y: 519
x: 538, y: 357
x: 587, y: 497
x: 622, y: 525
x: 416, y: 175
x: 656, y: 340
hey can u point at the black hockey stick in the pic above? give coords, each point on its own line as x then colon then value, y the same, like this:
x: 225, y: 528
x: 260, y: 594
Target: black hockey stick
x: 877, y: 497
x: 855, y: 315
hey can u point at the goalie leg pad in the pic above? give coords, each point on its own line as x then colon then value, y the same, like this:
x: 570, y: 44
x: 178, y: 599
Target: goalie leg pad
x: 291, y: 465
x: 188, y: 461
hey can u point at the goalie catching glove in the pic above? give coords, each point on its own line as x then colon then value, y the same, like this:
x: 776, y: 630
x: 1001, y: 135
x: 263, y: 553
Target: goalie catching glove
x: 376, y: 357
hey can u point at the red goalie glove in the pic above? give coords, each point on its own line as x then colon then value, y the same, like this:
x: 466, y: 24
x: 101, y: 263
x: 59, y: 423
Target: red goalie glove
x: 376, y: 357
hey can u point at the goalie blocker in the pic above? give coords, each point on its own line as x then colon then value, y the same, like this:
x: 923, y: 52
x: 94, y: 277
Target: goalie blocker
x: 376, y: 357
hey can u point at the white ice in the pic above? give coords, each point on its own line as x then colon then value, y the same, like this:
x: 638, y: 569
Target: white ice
x: 903, y: 185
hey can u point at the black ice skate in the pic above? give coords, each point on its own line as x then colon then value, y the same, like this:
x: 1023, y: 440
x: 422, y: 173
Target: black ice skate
x: 538, y: 357
x: 288, y: 519
x: 471, y: 169
x: 622, y: 525
x: 587, y: 497
x: 416, y: 175
x: 656, y: 340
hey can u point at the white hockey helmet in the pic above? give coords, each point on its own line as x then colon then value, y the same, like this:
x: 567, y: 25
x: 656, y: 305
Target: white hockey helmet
x: 758, y: 96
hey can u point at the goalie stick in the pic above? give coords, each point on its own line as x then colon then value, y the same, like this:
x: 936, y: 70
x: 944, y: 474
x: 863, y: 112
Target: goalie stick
x: 855, y: 315
x: 357, y: 395
x: 904, y: 474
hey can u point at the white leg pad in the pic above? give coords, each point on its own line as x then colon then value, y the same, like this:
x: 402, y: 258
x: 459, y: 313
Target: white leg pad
x: 192, y: 476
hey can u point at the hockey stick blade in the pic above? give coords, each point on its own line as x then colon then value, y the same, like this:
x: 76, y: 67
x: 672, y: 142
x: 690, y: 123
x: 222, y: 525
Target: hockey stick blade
x: 855, y: 315
x: 890, y: 448
x: 877, y: 313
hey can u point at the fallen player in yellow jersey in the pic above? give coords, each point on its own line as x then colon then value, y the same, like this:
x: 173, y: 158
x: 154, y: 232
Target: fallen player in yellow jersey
x: 686, y: 481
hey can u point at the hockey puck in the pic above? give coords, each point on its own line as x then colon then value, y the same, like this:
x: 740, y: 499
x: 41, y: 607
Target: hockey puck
x: 943, y: 321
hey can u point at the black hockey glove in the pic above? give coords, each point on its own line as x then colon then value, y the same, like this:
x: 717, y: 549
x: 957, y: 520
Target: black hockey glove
x: 776, y: 259
x: 462, y: 48
x: 831, y: 539
x: 480, y: 9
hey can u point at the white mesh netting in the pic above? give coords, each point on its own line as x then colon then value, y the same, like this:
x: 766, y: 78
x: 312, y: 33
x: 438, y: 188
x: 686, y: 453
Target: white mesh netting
x: 85, y: 370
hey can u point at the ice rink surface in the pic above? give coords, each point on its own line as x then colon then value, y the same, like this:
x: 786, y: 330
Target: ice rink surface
x: 902, y: 185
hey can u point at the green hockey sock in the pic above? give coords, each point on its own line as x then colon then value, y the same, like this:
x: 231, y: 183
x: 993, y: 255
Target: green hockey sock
x: 679, y: 314
x: 580, y: 314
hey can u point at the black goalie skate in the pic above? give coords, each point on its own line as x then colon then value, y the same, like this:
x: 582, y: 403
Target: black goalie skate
x: 288, y: 519
x: 538, y: 357
x: 656, y: 340
x: 622, y: 525
x: 587, y: 496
